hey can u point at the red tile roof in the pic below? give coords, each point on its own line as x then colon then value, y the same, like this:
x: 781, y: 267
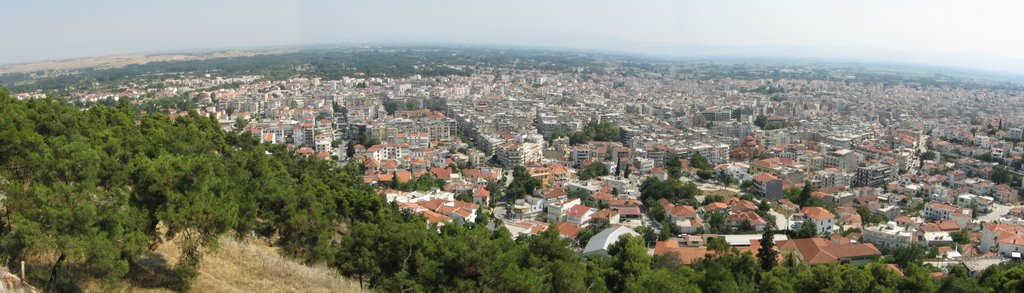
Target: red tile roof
x: 685, y: 255
x: 817, y: 250
x: 578, y: 211
x: 818, y: 213
x: 764, y: 177
x: 569, y: 230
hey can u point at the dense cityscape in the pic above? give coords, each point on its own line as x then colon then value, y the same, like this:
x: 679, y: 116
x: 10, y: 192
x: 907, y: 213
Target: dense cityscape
x: 788, y: 163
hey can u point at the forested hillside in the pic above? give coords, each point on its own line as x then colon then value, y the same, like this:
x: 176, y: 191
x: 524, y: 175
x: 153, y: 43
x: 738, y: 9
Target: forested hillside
x: 87, y: 193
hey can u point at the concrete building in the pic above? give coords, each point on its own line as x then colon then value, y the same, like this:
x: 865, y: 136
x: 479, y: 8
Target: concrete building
x: 768, y: 185
x: 942, y: 212
x: 874, y: 175
x: 888, y: 236
x: 824, y: 220
x: 843, y: 159
x: 1006, y: 239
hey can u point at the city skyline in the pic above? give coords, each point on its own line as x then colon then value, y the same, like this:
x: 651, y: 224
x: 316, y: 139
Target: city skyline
x: 940, y: 33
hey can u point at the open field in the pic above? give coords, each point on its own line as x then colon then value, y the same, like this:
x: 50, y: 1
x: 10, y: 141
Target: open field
x: 117, y: 61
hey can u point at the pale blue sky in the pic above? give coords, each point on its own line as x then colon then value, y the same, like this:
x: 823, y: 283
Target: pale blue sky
x: 981, y: 34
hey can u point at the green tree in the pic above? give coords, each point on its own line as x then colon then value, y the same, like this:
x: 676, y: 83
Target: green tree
x: 649, y: 235
x: 522, y: 183
x: 1002, y: 176
x: 359, y: 261
x: 630, y: 260
x: 806, y: 193
x: 763, y: 207
x: 1003, y: 278
x: 725, y: 179
x: 910, y: 255
x: 690, y: 190
x: 700, y: 162
x: 673, y: 166
x: 391, y: 107
x: 807, y: 230
x: 240, y: 124
x: 568, y: 276
x: 916, y: 279
x: 961, y: 237
x: 583, y: 236
x: 718, y: 245
x: 778, y: 280
x: 767, y: 254
x: 833, y: 278
x: 368, y: 141
x: 593, y: 131
x: 761, y: 121
x: 745, y: 226
x: 717, y: 224
x: 593, y: 170
x: 869, y: 217
x: 959, y: 279
x: 718, y: 277
x: 705, y: 174
x: 987, y: 157
x: 495, y: 188
x: 666, y: 228
x: 350, y: 149
x: 929, y: 156
x: 82, y: 229
x: 197, y: 208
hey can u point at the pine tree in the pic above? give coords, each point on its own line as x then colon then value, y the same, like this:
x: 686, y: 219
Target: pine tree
x: 767, y: 254
x: 806, y: 193
x: 350, y: 149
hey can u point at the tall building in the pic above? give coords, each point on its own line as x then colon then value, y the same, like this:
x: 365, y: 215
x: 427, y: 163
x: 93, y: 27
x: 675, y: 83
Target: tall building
x: 875, y: 175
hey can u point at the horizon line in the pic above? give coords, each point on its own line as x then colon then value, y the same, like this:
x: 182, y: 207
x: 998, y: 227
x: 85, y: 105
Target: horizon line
x: 1017, y: 76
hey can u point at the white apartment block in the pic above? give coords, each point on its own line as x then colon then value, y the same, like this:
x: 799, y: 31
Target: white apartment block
x: 888, y: 236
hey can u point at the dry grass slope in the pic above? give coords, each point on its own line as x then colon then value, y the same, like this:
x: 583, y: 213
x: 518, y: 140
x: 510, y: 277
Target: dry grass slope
x: 243, y: 266
x: 10, y: 283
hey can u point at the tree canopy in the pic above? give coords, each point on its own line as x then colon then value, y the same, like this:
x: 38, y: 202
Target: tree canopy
x: 671, y: 189
x: 593, y: 131
x: 700, y: 162
x: 116, y: 183
x: 522, y: 183
x: 929, y: 155
x: 593, y: 170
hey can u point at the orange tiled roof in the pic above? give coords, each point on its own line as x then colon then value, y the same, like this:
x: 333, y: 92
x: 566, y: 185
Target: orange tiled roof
x: 818, y: 213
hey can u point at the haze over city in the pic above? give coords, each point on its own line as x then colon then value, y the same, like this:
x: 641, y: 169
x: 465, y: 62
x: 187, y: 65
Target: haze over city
x: 954, y: 33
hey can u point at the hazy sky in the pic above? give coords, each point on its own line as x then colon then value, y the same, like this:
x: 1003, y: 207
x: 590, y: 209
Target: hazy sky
x: 983, y: 34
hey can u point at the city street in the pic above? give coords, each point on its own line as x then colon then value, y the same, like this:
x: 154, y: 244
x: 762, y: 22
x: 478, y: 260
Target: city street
x: 781, y: 221
x: 998, y: 211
